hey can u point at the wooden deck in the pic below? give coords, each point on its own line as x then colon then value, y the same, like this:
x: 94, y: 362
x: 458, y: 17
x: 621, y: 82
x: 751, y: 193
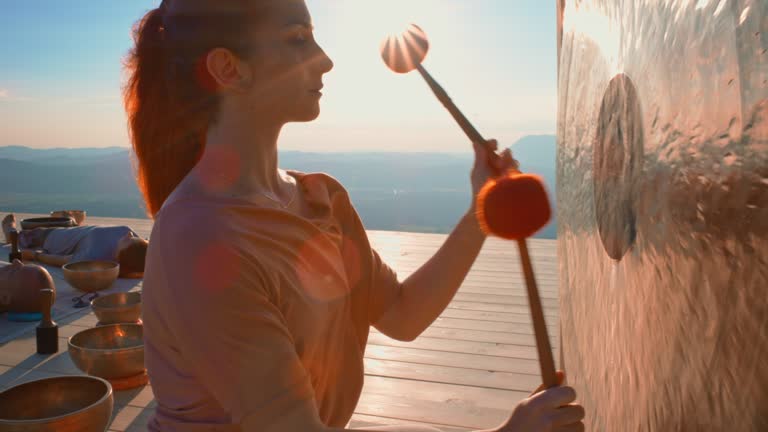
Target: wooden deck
x: 467, y: 371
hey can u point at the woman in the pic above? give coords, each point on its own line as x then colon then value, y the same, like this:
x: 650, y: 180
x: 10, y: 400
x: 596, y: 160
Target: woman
x: 260, y: 284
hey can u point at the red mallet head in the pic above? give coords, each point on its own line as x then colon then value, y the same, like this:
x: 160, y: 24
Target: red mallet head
x: 514, y: 206
x: 403, y: 53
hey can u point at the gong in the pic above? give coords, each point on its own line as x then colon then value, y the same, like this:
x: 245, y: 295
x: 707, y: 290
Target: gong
x: 663, y: 212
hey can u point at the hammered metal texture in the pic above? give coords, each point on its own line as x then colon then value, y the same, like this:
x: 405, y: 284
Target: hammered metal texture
x: 663, y: 210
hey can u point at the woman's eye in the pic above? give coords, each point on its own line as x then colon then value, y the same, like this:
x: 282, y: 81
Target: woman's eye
x: 301, y: 37
x: 298, y: 38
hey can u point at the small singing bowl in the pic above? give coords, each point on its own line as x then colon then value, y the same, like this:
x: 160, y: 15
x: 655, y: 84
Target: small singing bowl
x: 110, y: 352
x: 77, y: 215
x: 91, y: 276
x: 47, y: 222
x: 117, y: 308
x: 59, y: 404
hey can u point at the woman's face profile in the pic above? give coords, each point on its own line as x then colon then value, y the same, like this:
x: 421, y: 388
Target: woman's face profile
x: 287, y: 65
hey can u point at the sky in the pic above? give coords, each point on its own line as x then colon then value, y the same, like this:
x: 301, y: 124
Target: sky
x: 61, y: 73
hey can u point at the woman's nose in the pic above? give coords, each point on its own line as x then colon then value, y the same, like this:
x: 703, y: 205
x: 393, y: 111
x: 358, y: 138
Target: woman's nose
x: 321, y: 61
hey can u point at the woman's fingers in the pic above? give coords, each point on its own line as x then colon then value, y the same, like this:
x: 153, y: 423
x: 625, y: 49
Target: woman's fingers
x: 568, y: 414
x: 509, y: 162
x: 554, y: 397
x: 560, y: 379
x: 486, y: 158
x: 575, y: 427
x: 500, y: 163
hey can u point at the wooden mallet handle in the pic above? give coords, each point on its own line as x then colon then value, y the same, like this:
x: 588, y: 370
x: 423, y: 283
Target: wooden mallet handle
x: 546, y: 361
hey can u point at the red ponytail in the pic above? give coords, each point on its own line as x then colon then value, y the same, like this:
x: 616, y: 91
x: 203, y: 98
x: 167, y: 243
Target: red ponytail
x: 169, y: 109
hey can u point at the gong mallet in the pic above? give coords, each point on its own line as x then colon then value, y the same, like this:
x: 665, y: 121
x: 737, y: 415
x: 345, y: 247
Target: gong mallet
x: 405, y: 53
x: 513, y: 207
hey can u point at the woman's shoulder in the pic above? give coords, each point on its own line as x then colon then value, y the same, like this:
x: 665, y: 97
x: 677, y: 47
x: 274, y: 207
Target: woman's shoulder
x: 314, y: 178
x: 321, y: 188
x: 183, y: 220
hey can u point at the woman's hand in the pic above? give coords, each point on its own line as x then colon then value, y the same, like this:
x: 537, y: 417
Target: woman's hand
x: 488, y: 165
x: 550, y: 410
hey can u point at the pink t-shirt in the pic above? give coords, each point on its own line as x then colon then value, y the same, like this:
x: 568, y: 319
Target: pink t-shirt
x: 250, y: 311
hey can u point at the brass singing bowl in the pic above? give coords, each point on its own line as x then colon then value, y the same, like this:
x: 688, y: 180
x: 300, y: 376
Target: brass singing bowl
x: 117, y: 308
x: 110, y: 352
x: 91, y: 276
x: 47, y: 222
x: 77, y: 215
x: 59, y: 404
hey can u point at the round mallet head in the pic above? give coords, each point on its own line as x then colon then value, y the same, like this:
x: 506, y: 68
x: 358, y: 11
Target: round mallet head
x: 405, y: 52
x: 514, y: 206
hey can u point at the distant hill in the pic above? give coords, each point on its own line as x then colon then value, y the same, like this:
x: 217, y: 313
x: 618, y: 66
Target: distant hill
x: 63, y: 156
x: 420, y: 192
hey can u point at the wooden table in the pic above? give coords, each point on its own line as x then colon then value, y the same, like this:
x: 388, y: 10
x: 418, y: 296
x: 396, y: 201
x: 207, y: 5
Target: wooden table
x: 467, y: 371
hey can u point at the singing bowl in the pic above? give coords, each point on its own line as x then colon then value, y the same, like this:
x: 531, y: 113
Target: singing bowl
x: 91, y: 276
x: 77, y: 215
x: 47, y: 222
x: 117, y: 308
x: 59, y: 404
x: 109, y: 352
x: 405, y: 52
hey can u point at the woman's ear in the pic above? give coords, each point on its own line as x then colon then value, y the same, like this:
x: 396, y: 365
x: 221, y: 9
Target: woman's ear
x: 227, y: 71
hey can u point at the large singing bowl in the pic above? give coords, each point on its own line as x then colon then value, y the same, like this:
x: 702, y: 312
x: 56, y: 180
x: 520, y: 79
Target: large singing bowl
x: 91, y: 276
x: 117, y: 308
x: 663, y: 212
x: 110, y: 352
x: 60, y: 404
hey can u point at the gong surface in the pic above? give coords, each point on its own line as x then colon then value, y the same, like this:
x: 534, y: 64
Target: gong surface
x: 663, y: 210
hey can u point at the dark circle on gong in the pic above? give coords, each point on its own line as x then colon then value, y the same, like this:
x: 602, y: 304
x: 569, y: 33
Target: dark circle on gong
x: 617, y: 165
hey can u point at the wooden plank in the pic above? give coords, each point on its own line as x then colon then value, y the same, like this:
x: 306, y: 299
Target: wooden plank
x: 456, y: 413
x: 494, y: 316
x: 490, y: 326
x: 129, y: 419
x: 444, y: 393
x: 451, y: 375
x: 23, y: 352
x: 454, y: 405
x: 480, y: 336
x: 361, y: 421
x: 518, y: 291
x: 509, y: 299
x: 490, y: 307
x: 478, y: 273
x: 17, y: 376
x: 455, y: 359
x: 549, y: 290
x: 468, y: 347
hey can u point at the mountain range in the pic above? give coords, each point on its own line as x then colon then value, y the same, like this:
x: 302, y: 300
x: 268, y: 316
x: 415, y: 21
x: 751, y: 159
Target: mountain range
x: 416, y: 192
